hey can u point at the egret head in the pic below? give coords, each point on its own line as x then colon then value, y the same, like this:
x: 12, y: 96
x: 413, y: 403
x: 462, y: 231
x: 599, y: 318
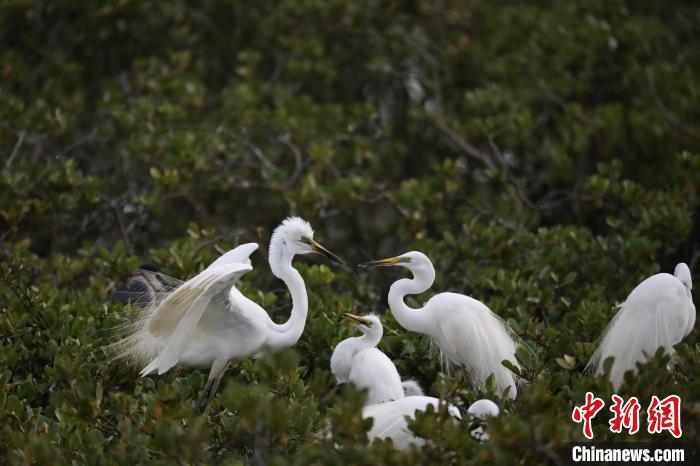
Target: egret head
x: 295, y: 236
x: 682, y: 272
x: 478, y: 412
x: 415, y: 261
x: 481, y: 409
x: 369, y: 324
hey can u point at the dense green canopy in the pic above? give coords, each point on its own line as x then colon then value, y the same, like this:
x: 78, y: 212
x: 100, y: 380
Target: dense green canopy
x: 543, y: 154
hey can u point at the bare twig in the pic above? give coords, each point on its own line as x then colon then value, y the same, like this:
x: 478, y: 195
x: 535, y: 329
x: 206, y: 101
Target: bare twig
x: 255, y: 150
x: 299, y: 162
x: 463, y: 144
x: 670, y: 117
x: 15, y: 150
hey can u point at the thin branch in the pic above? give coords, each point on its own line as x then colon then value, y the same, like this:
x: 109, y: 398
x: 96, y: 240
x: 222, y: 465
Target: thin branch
x: 670, y: 117
x: 299, y: 163
x: 463, y: 144
x: 15, y: 150
x: 255, y: 150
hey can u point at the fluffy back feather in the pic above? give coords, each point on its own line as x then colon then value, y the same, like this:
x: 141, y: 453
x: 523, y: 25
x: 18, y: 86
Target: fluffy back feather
x: 137, y: 346
x: 654, y: 315
x: 411, y: 388
x: 471, y: 336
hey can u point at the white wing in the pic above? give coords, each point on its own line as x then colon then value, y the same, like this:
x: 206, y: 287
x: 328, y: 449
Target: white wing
x: 390, y: 419
x: 341, y: 359
x: 374, y: 371
x: 176, y: 317
x: 472, y: 336
x: 654, y: 315
x: 238, y: 255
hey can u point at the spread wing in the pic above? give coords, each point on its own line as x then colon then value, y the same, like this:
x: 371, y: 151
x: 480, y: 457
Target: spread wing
x: 169, y: 310
x: 238, y: 255
x: 176, y: 317
x: 146, y: 289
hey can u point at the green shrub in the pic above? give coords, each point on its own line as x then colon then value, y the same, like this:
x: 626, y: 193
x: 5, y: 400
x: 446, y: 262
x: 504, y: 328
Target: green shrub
x: 543, y: 154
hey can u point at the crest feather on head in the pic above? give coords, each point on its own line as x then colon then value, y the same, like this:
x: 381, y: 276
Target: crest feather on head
x: 290, y: 227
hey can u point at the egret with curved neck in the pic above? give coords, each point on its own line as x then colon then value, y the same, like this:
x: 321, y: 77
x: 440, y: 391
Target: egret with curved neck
x: 206, y: 321
x: 358, y: 361
x: 467, y: 332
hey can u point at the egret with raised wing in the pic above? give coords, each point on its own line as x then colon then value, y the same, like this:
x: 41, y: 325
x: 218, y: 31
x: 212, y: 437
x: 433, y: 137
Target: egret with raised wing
x: 206, y: 321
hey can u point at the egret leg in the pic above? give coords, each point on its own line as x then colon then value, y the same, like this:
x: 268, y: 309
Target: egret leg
x: 215, y: 374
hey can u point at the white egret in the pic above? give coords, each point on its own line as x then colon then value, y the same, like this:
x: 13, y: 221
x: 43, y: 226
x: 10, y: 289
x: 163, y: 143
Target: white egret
x: 467, y: 332
x: 358, y: 361
x: 390, y: 403
x: 658, y: 312
x: 478, y: 412
x: 411, y: 388
x: 390, y: 419
x: 206, y: 321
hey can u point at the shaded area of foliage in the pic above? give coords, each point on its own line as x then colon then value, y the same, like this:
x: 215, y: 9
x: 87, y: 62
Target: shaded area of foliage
x: 543, y: 154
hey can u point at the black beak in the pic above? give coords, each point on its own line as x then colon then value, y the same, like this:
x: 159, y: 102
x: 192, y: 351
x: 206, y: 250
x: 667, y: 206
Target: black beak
x: 325, y: 252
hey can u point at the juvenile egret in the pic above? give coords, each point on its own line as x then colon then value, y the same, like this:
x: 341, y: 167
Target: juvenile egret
x: 390, y: 403
x: 206, y: 321
x: 358, y: 361
x: 478, y: 412
x: 659, y: 312
x: 390, y: 419
x: 467, y: 332
x: 411, y: 388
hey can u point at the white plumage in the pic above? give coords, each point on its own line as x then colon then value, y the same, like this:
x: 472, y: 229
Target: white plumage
x: 356, y: 360
x: 411, y: 388
x: 390, y: 419
x: 467, y: 332
x: 658, y: 312
x: 478, y: 412
x: 390, y: 403
x: 206, y: 321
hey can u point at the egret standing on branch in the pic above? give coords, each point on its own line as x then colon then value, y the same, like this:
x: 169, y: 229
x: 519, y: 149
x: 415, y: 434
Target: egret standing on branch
x: 206, y: 321
x: 467, y: 332
x: 658, y: 313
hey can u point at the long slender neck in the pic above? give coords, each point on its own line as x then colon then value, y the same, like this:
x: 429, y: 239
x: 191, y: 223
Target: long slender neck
x: 370, y: 339
x: 415, y: 320
x: 288, y: 333
x: 357, y: 344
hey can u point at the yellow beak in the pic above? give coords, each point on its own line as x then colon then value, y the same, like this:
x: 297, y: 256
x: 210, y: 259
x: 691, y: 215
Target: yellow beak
x: 383, y: 262
x: 357, y: 320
